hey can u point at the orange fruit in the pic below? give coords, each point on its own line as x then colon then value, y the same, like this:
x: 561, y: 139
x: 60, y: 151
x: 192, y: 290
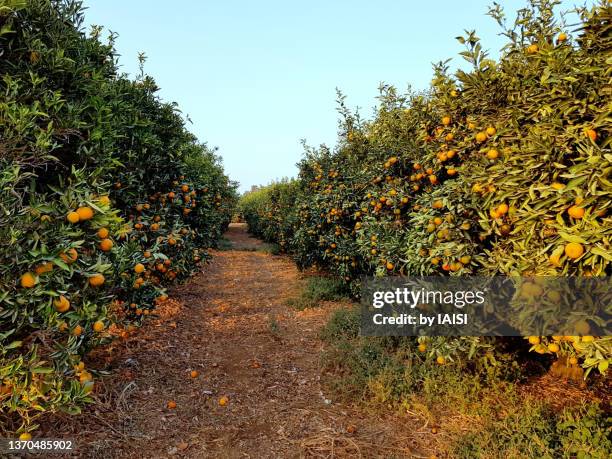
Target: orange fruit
x: 73, y: 217
x: 85, y: 376
x: 591, y: 134
x: 223, y: 400
x: 575, y: 212
x: 98, y: 326
x: 102, y: 233
x: 492, y: 154
x: 422, y: 347
x: 481, y: 137
x: 171, y: 404
x: 70, y: 256
x: 44, y: 268
x: 491, y: 131
x: 104, y: 200
x: 532, y: 49
x: 553, y: 347
x: 139, y: 268
x: 574, y: 250
x: 76, y: 331
x: 96, y: 280
x: 106, y: 245
x: 582, y: 327
x: 534, y: 340
x: 146, y: 254
x: 194, y: 373
x: 28, y: 280
x: 61, y: 304
x: 446, y: 120
x: 502, y: 209
x: 185, y: 188
x: 85, y: 213
x: 562, y: 37
x: 440, y: 360
x: 390, y: 266
x: 26, y: 436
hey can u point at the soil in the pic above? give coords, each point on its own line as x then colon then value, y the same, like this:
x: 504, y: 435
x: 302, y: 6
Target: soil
x: 231, y: 324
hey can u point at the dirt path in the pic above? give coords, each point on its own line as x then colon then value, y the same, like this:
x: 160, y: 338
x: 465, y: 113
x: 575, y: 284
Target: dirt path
x: 231, y: 324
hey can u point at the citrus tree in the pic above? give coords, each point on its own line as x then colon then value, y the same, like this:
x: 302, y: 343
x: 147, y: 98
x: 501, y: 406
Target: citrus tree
x: 105, y: 200
x: 502, y: 168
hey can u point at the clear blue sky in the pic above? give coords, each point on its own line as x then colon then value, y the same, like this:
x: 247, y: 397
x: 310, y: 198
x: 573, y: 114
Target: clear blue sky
x: 255, y: 77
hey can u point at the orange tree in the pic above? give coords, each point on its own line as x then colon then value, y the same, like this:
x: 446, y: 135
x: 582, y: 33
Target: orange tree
x: 105, y: 200
x: 501, y: 169
x: 268, y: 211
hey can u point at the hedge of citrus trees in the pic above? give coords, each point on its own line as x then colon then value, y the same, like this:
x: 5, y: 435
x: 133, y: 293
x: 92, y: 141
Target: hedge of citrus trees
x: 502, y: 169
x: 105, y: 200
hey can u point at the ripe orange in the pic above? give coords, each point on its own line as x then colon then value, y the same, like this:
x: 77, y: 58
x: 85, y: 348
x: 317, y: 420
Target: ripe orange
x: 390, y: 266
x: 502, y: 209
x: 73, y: 217
x: 96, y: 280
x: 185, y: 188
x: 171, y: 404
x: 532, y: 49
x: 70, y: 256
x: 591, y: 134
x: 98, y: 326
x: 61, y: 304
x: 44, y: 268
x: 481, y: 137
x: 223, y: 400
x: 171, y: 241
x: 194, y: 373
x: 154, y: 226
x: 102, y: 233
x: 574, y: 250
x: 85, y: 213
x: 575, y: 212
x: 28, y: 280
x: 422, y: 347
x: 491, y: 131
x: 562, y: 37
x: 146, y: 254
x: 26, y: 436
x: 106, y: 245
x: 492, y: 154
x: 76, y: 331
x: 440, y: 360
x: 553, y: 347
x: 139, y: 268
x: 534, y: 340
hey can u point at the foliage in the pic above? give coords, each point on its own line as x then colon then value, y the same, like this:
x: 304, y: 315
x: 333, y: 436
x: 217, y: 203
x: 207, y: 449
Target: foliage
x: 105, y: 200
x: 268, y: 212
